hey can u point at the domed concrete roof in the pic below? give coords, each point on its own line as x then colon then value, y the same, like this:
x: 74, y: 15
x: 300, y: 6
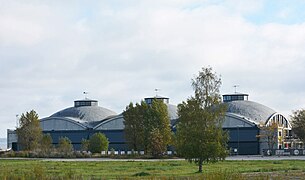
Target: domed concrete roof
x: 85, y: 113
x: 252, y: 110
x: 172, y: 111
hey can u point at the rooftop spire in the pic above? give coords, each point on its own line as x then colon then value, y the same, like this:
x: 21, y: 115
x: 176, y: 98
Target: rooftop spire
x: 85, y: 94
x: 235, y: 88
x: 156, y: 90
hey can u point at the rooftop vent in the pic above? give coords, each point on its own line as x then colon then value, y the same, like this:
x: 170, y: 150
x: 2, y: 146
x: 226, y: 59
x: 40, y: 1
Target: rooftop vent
x: 85, y: 102
x: 150, y: 99
x: 235, y: 97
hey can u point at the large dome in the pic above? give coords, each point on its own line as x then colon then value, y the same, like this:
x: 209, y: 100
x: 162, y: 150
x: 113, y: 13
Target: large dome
x: 85, y: 113
x: 249, y: 109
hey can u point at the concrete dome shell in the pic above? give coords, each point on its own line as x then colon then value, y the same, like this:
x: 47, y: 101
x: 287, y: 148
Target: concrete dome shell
x: 172, y: 111
x: 85, y: 113
x: 249, y: 109
x: 116, y: 122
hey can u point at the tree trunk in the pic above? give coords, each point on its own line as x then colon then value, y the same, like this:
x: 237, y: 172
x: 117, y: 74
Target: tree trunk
x: 200, y: 165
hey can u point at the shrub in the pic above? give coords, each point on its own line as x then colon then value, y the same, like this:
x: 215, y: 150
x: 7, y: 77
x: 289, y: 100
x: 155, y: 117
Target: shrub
x: 98, y: 142
x: 65, y: 145
x: 85, y: 145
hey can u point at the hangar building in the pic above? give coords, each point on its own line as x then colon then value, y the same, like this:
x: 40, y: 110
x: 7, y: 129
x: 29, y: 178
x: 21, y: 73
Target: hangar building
x: 86, y: 118
x: 242, y: 120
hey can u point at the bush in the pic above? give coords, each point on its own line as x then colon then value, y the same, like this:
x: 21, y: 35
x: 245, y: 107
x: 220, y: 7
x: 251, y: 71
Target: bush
x: 65, y: 145
x: 46, y: 143
x: 85, y: 145
x: 22, y: 154
x: 98, y: 142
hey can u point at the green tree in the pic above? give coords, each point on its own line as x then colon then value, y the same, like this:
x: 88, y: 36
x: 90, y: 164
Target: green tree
x: 158, y: 123
x: 65, y: 145
x: 134, y: 126
x: 141, y: 120
x: 46, y: 143
x: 85, y: 145
x: 298, y: 124
x: 29, y: 133
x: 157, y: 146
x: 144, y: 113
x: 200, y: 137
x: 98, y: 142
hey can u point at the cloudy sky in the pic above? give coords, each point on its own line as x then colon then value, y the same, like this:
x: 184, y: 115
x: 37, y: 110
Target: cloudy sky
x: 120, y: 51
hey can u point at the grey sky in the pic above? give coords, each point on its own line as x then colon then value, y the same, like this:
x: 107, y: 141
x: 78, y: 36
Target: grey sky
x: 120, y: 51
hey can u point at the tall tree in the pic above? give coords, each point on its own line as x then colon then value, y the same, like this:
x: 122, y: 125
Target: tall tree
x: 141, y: 120
x: 134, y: 126
x: 29, y: 133
x: 145, y: 114
x: 200, y: 137
x: 158, y: 125
x: 157, y: 145
x: 298, y: 124
x: 98, y: 142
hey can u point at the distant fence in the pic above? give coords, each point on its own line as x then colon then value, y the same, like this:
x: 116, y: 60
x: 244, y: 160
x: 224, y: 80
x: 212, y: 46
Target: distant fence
x: 284, y: 152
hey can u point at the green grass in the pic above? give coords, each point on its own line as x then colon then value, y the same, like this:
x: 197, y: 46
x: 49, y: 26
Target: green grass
x: 37, y: 169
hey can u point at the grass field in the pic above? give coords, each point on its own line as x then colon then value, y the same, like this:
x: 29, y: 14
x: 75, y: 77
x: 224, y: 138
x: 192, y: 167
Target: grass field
x: 37, y: 169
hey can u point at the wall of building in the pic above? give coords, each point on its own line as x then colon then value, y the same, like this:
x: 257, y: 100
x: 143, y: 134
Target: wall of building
x: 115, y: 137
x: 11, y: 138
x: 244, y: 140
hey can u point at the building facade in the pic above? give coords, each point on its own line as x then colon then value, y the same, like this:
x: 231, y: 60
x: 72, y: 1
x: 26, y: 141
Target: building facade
x: 243, y: 121
x: 247, y: 121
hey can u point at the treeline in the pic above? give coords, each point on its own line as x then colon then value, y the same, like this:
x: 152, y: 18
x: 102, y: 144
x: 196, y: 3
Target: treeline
x: 147, y: 127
